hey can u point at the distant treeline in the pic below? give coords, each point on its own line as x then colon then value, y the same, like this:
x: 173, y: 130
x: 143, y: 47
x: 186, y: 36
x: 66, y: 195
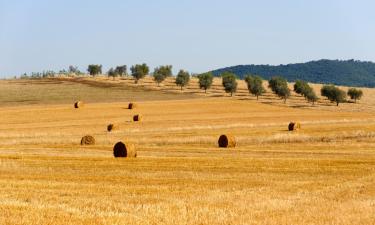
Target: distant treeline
x: 338, y: 72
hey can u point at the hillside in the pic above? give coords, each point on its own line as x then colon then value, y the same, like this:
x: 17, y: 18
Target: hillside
x: 347, y: 73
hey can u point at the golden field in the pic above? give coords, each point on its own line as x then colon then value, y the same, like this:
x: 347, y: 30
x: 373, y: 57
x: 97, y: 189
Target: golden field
x: 322, y: 174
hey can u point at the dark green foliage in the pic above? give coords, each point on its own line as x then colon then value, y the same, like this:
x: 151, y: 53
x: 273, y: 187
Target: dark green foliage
x: 279, y: 86
x: 229, y: 81
x: 205, y: 81
x: 73, y: 70
x: 255, y: 85
x: 333, y: 94
x: 112, y: 73
x: 182, y: 78
x: 162, y: 72
x: 139, y: 71
x: 311, y: 96
x: 121, y: 70
x: 303, y: 88
x: 348, y: 73
x: 355, y: 94
x: 300, y: 86
x: 94, y: 69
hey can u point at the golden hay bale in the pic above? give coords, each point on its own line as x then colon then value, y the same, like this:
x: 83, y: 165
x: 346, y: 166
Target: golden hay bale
x: 294, y: 126
x: 124, y: 150
x: 112, y: 127
x: 88, y: 140
x: 132, y: 105
x: 78, y: 105
x: 137, y: 118
x: 227, y: 141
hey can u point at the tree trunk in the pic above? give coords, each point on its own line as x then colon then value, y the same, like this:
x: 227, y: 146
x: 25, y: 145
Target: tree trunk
x: 231, y: 94
x: 181, y: 87
x: 257, y: 97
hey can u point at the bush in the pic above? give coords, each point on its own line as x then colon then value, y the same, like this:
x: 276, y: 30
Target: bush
x: 162, y: 72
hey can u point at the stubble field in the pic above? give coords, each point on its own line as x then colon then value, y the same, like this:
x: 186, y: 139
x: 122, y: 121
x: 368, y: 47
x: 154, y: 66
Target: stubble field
x: 323, y: 174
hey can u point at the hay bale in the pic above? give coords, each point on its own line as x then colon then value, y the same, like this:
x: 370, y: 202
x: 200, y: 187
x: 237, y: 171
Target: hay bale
x: 132, y: 105
x: 227, y: 141
x: 294, y: 126
x: 124, y: 150
x: 78, y: 104
x: 112, y: 127
x: 88, y: 140
x: 137, y: 118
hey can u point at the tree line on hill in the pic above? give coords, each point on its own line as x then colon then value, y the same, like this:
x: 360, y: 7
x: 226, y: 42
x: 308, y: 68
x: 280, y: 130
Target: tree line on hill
x: 339, y: 72
x: 277, y: 84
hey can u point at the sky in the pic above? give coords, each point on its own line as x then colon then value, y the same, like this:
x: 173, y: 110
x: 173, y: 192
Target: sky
x: 195, y: 35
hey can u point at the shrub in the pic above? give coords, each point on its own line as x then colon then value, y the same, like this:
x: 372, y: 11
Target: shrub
x: 94, y: 69
x: 355, y: 94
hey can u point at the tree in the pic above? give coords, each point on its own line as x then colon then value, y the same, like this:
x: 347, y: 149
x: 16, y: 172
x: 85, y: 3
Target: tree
x: 139, y: 71
x: 158, y: 78
x: 311, y: 97
x: 112, y: 73
x: 300, y: 86
x: 229, y: 81
x: 355, y: 94
x: 94, y: 69
x: 182, y: 79
x: 205, y: 81
x: 333, y: 93
x: 121, y: 70
x: 162, y: 72
x: 255, y: 85
x: 73, y: 70
x: 279, y: 86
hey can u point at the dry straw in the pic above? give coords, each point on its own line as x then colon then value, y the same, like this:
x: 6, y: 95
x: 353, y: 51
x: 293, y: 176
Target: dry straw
x: 78, y: 105
x: 112, y: 127
x: 124, y: 150
x: 132, y: 105
x: 137, y: 118
x: 88, y: 140
x: 294, y: 126
x: 227, y: 141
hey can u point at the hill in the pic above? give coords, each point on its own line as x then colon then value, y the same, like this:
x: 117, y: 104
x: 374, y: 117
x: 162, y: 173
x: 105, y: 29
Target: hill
x: 339, y: 72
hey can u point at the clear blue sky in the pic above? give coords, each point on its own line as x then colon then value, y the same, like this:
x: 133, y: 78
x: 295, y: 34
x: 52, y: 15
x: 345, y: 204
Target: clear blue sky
x: 197, y: 35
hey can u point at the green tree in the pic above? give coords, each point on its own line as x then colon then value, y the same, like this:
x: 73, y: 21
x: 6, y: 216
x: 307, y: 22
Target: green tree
x: 255, y: 85
x: 205, y: 81
x: 121, y: 70
x: 161, y: 73
x: 139, y: 71
x: 333, y: 93
x: 94, y: 69
x: 300, y: 87
x: 311, y: 97
x: 112, y: 73
x: 182, y: 79
x: 280, y: 87
x: 355, y: 94
x: 229, y: 81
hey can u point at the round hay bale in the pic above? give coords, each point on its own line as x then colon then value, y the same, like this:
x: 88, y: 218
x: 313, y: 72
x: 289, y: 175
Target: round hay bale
x: 294, y: 126
x: 78, y: 105
x: 124, y: 150
x: 132, y: 105
x: 137, y: 118
x: 88, y: 140
x: 227, y: 141
x: 112, y: 127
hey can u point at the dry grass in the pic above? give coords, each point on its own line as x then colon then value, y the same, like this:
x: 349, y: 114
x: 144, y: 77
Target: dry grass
x: 323, y: 174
